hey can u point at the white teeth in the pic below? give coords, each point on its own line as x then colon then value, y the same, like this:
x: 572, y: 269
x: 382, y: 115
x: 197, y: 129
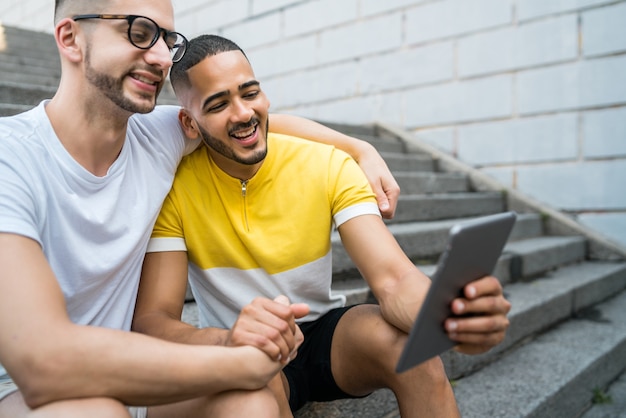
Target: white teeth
x: 244, y: 134
x: 144, y: 80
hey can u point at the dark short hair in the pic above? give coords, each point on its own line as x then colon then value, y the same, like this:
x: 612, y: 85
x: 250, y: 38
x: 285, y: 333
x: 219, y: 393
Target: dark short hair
x: 198, y: 49
x: 68, y: 8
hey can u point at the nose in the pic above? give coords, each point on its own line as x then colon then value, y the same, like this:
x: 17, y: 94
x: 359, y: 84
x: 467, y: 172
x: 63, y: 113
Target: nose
x: 159, y: 55
x: 242, y: 111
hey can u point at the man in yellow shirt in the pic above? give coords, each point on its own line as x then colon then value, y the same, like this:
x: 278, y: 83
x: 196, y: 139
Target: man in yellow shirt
x: 250, y: 216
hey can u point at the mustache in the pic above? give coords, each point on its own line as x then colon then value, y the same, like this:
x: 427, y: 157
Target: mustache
x: 149, y: 69
x: 245, y: 125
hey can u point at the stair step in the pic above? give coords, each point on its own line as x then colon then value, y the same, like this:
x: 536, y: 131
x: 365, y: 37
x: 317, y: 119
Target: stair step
x: 433, y: 207
x: 16, y: 70
x: 355, y: 290
x: 380, y: 404
x: 32, y: 65
x: 415, y: 183
x: 23, y: 94
x: 424, y: 241
x: 615, y: 405
x: 13, y: 109
x: 537, y: 255
x: 353, y: 130
x: 553, y: 375
x: 543, y: 303
x: 383, y: 144
x: 26, y: 43
x: 399, y: 163
x: 14, y: 76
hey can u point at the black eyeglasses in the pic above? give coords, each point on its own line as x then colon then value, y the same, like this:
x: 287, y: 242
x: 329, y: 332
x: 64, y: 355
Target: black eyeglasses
x: 144, y: 32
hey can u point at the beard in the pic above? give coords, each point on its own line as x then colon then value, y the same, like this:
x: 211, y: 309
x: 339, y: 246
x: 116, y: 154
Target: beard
x: 225, y: 150
x: 113, y: 89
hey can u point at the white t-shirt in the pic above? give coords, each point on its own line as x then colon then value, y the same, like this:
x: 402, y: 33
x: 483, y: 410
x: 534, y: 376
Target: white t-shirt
x: 93, y: 230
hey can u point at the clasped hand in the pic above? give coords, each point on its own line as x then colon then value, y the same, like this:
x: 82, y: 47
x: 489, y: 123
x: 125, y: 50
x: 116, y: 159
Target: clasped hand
x: 270, y: 326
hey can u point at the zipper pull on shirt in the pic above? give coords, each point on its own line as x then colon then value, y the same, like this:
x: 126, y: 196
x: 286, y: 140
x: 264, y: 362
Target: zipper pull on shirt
x: 244, y: 188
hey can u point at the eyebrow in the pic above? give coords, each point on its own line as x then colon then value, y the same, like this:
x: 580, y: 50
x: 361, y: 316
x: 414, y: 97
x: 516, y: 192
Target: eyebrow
x: 219, y: 94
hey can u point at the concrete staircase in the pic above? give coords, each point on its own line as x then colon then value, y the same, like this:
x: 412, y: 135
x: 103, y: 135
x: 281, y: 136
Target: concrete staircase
x: 567, y: 342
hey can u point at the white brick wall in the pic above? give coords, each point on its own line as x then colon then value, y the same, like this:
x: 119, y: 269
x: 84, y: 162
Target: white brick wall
x: 605, y: 30
x: 446, y: 18
x: 520, y: 141
x: 531, y: 91
x: 604, y: 133
x: 536, y: 43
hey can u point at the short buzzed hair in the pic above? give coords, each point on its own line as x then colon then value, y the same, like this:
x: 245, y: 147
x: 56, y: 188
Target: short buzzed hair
x: 198, y: 49
x: 69, y: 8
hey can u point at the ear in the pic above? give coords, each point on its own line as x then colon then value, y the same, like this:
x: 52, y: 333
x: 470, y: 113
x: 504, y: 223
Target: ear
x: 188, y: 124
x: 66, y: 34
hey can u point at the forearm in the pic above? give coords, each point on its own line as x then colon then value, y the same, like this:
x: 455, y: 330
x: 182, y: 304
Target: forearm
x: 401, y: 299
x: 161, y: 326
x: 306, y: 128
x: 137, y: 369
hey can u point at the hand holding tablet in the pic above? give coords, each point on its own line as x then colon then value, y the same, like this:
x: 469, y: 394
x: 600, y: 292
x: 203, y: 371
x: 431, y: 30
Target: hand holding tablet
x: 472, y: 252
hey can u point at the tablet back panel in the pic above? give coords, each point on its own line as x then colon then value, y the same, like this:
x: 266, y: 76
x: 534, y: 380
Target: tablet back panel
x: 472, y: 252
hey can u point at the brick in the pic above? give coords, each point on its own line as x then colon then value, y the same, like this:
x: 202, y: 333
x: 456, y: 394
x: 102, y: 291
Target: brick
x: 187, y: 26
x: 442, y: 138
x: 14, y: 15
x: 361, y: 110
x: 219, y: 14
x: 604, y: 133
x: 284, y: 57
x: 273, y: 88
x: 541, y: 139
x: 372, y: 7
x: 264, y: 6
x: 466, y: 101
x: 443, y: 19
x: 361, y: 38
x: 604, y: 30
x: 328, y: 83
x: 408, y: 67
x: 597, y: 82
x: 255, y: 32
x: 313, y: 16
x: 536, y: 43
x: 184, y: 7
x: 529, y: 9
x: 576, y: 186
x: 611, y: 225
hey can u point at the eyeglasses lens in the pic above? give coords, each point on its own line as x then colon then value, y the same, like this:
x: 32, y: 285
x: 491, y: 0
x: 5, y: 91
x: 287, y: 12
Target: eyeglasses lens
x: 178, y: 48
x: 144, y: 33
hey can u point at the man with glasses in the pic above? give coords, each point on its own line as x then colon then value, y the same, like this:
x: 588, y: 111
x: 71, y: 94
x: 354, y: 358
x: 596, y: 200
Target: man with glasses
x: 144, y: 32
x: 250, y: 216
x: 82, y: 178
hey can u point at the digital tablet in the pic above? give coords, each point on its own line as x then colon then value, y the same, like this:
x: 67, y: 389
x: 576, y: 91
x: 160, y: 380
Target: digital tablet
x: 472, y: 252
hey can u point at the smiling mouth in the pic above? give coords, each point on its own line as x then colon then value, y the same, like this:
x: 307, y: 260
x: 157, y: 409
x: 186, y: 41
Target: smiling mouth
x: 242, y: 135
x: 144, y: 80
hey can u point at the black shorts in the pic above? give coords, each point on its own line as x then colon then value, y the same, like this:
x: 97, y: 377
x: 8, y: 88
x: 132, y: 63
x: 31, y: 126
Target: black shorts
x: 309, y: 374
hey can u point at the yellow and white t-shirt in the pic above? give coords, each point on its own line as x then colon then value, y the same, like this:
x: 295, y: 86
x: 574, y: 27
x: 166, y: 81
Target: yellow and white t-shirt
x: 264, y: 237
